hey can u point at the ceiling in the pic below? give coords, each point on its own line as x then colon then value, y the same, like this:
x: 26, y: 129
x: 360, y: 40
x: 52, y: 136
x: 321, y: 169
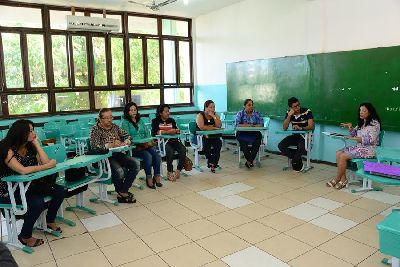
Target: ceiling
x: 193, y: 9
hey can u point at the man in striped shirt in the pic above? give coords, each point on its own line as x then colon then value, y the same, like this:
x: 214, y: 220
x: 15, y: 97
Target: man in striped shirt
x: 302, y: 120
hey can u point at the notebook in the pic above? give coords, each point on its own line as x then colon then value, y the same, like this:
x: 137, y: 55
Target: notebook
x: 381, y: 169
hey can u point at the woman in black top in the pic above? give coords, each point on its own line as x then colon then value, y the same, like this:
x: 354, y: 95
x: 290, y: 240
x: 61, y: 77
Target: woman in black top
x: 21, y: 153
x: 208, y: 120
x: 163, y: 124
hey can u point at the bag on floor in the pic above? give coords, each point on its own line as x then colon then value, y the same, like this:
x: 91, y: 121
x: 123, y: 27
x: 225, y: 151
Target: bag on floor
x: 187, y: 164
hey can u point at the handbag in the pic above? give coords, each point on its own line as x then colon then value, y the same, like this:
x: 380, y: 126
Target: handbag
x: 187, y: 164
x: 97, y: 151
x: 246, y: 138
x: 43, y: 186
x: 144, y: 146
x: 73, y: 175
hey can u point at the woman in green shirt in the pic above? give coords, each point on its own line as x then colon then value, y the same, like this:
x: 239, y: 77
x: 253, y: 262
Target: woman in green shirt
x: 133, y: 125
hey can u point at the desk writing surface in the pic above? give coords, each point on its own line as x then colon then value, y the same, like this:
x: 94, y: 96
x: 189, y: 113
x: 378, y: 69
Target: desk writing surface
x: 36, y: 175
x: 250, y: 129
x: 143, y: 140
x: 378, y: 179
x: 219, y: 131
x: 121, y: 148
x: 83, y: 160
x: 170, y: 136
x: 293, y: 132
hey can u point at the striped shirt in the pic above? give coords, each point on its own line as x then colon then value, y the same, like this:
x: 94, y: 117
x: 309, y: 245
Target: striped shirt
x: 301, y: 120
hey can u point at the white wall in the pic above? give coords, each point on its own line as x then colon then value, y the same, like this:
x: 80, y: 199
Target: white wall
x: 256, y: 29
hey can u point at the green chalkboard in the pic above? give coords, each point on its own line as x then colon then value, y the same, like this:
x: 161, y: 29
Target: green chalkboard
x: 331, y: 84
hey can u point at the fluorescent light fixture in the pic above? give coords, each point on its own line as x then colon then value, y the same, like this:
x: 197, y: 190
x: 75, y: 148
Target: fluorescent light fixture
x: 185, y: 2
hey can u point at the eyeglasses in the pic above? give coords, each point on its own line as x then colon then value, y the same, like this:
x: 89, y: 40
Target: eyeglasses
x: 106, y: 118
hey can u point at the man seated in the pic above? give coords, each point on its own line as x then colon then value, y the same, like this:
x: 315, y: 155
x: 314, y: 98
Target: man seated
x: 106, y: 134
x: 302, y: 120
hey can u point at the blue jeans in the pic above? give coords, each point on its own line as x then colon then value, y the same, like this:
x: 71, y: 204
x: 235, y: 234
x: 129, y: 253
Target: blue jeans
x: 36, y: 206
x: 151, y: 158
x: 123, y: 169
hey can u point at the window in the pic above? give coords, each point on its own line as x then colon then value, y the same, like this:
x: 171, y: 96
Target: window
x: 12, y: 60
x: 177, y: 95
x: 26, y: 104
x: 80, y: 60
x: 37, y: 70
x: 169, y: 62
x: 153, y: 61
x: 142, y: 25
x: 99, y: 61
x: 46, y: 68
x: 175, y: 27
x: 117, y: 54
x: 136, y: 58
x: 72, y: 101
x: 184, y: 62
x: 110, y: 99
x: 60, y: 61
x: 12, y: 16
x: 146, y: 97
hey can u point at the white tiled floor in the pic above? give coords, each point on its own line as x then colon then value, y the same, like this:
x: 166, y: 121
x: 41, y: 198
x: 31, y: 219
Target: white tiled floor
x: 101, y: 221
x: 305, y: 212
x: 253, y: 257
x: 234, y: 201
x: 334, y: 223
x: 236, y: 217
x: 325, y: 203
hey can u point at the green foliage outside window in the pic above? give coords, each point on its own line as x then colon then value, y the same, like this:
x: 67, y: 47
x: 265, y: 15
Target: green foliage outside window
x: 60, y: 63
x: 12, y: 60
x: 37, y: 70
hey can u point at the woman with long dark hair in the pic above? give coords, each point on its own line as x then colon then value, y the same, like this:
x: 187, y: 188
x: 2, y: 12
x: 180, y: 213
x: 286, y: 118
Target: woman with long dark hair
x: 21, y: 153
x: 366, y: 134
x: 134, y: 126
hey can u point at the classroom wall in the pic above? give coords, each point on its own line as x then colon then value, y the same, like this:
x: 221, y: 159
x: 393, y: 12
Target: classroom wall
x: 257, y: 29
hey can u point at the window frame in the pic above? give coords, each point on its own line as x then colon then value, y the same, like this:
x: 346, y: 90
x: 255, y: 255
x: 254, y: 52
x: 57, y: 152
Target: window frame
x: 51, y: 90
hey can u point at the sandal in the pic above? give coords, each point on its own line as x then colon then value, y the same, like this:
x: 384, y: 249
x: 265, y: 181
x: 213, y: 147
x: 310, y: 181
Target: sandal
x: 37, y: 243
x: 331, y: 183
x: 177, y: 174
x: 212, y: 168
x: 58, y: 229
x: 148, y: 183
x: 341, y: 184
x: 127, y: 199
x: 171, y: 176
x: 157, y: 183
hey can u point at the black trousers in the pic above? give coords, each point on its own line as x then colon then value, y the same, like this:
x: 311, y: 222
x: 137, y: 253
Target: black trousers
x: 250, y: 150
x: 212, y: 150
x: 295, y: 154
x: 170, y: 149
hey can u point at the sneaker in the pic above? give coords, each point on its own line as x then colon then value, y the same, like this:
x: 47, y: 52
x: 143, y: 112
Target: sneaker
x: 302, y: 168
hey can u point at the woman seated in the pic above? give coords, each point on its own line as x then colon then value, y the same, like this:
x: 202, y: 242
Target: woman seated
x: 366, y: 134
x: 249, y: 141
x: 162, y: 124
x: 134, y: 126
x: 21, y: 153
x: 208, y: 120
